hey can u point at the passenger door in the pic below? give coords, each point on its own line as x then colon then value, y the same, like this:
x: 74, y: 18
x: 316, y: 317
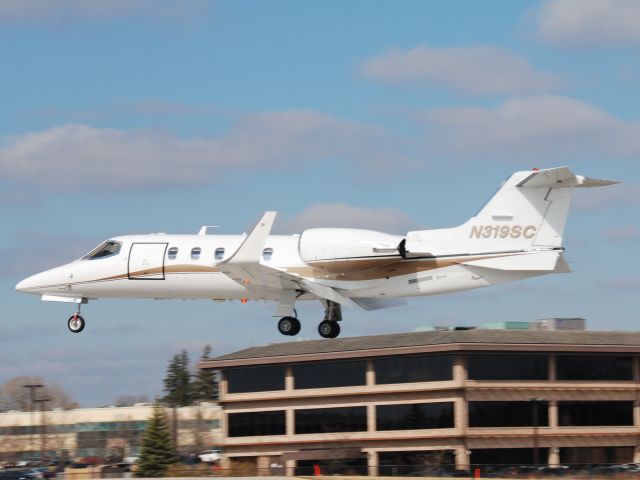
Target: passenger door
x: 146, y: 261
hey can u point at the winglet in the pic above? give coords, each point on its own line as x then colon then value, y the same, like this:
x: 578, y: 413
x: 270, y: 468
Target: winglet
x: 250, y: 251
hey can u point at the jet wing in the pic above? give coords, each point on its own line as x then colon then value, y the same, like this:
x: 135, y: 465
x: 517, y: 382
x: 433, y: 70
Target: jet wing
x: 245, y: 268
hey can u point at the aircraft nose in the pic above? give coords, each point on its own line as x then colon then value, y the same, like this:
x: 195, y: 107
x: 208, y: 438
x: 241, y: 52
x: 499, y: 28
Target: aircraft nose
x: 25, y: 284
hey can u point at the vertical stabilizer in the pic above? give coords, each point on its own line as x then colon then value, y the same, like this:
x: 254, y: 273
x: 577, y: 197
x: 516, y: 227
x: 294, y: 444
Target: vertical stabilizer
x: 531, y: 208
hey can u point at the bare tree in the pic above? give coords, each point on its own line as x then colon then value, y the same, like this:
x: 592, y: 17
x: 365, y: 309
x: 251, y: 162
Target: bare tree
x: 13, y: 395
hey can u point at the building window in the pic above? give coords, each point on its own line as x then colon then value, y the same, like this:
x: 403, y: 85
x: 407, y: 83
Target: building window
x: 330, y: 420
x: 409, y: 463
x: 508, y: 414
x: 413, y: 368
x: 267, y: 253
x: 349, y: 467
x: 330, y: 374
x: 507, y: 366
x: 255, y: 379
x: 195, y: 253
x: 506, y: 456
x: 594, y: 367
x: 596, y: 455
x: 414, y: 416
x: 219, y: 253
x: 255, y: 424
x: 581, y: 414
x: 172, y: 253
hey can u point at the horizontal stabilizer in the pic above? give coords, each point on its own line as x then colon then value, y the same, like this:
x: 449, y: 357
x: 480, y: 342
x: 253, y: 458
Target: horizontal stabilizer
x: 561, y: 177
x: 379, y: 303
x: 543, y: 261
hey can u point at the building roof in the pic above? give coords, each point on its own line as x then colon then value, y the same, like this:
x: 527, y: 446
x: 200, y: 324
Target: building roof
x: 433, y: 341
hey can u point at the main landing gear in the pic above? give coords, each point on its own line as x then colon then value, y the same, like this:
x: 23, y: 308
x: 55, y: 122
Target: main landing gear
x: 289, y: 326
x: 328, y: 327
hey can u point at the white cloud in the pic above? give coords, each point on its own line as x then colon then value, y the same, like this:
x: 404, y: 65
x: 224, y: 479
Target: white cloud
x: 79, y: 155
x: 475, y: 70
x: 589, y: 22
x: 340, y: 215
x: 67, y: 11
x: 533, y: 129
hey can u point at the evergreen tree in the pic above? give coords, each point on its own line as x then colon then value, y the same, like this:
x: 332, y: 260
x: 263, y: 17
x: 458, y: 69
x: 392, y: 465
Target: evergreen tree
x: 177, y: 383
x: 205, y: 384
x: 156, y: 454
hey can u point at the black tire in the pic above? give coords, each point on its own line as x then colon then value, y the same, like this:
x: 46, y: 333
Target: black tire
x: 297, y: 327
x: 75, y: 324
x: 328, y: 329
x: 289, y: 326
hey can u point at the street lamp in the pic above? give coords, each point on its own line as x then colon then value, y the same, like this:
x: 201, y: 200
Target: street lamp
x: 43, y: 433
x: 32, y: 399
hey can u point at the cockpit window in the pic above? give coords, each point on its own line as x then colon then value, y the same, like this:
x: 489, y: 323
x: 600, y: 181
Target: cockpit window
x: 106, y: 249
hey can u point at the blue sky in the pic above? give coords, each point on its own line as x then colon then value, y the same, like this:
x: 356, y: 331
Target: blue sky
x: 136, y: 116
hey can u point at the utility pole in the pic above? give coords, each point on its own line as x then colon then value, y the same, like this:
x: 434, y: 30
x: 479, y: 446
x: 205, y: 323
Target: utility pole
x: 43, y: 433
x: 32, y: 400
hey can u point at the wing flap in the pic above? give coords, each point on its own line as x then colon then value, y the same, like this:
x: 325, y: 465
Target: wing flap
x: 379, y: 303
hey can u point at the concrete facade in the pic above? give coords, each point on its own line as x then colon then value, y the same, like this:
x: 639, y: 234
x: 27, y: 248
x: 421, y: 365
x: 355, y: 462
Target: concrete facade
x: 461, y: 439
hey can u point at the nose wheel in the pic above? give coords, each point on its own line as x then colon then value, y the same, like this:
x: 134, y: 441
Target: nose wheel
x: 289, y: 326
x: 76, y: 323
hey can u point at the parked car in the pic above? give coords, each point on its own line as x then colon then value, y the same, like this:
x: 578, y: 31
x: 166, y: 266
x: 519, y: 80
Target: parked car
x: 13, y: 475
x: 213, y: 455
x: 40, y: 472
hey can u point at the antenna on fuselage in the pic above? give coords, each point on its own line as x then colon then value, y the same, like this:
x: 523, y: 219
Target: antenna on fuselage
x: 205, y: 228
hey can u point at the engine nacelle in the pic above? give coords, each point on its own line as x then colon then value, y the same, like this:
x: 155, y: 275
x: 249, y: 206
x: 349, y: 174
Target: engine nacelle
x: 325, y: 244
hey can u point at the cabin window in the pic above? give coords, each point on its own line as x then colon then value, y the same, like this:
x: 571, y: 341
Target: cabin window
x: 195, y: 253
x: 172, y: 253
x: 219, y: 255
x: 267, y: 253
x: 106, y: 249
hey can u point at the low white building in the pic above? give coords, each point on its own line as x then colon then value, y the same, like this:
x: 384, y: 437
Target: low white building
x: 102, y: 432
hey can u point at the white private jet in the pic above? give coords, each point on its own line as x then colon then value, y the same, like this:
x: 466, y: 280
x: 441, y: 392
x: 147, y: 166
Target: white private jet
x: 516, y: 235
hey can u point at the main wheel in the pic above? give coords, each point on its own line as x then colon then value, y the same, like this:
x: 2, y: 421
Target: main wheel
x: 328, y: 329
x: 289, y: 326
x: 76, y: 323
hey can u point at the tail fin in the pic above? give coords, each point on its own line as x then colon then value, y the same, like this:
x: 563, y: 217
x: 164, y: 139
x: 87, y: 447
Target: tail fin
x: 531, y: 207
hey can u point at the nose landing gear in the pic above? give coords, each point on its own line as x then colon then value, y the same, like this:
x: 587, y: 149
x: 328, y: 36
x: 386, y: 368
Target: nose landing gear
x: 76, y: 322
